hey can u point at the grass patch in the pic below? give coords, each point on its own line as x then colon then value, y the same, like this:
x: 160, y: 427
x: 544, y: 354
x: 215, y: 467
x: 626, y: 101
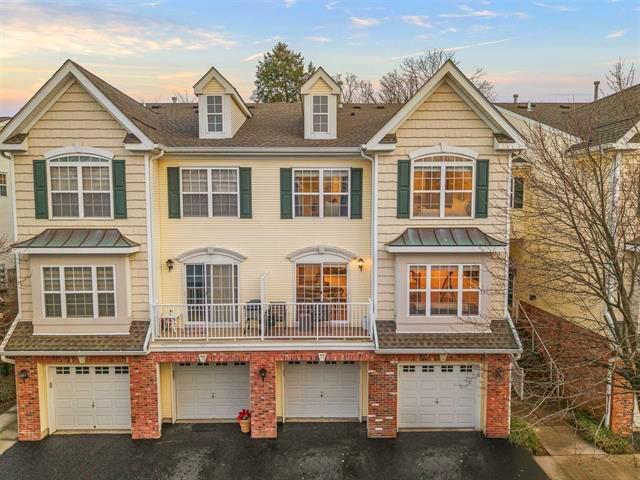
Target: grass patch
x: 599, y: 435
x: 523, y: 435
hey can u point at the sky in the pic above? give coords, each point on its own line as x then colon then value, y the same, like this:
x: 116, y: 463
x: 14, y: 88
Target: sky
x: 549, y: 50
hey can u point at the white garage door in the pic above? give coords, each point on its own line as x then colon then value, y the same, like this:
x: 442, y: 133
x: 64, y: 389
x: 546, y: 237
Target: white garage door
x: 91, y: 397
x: 438, y: 396
x: 211, y: 391
x: 322, y: 390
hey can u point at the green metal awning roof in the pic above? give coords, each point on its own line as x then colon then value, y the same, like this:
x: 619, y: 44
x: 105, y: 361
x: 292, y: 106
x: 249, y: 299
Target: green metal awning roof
x: 443, y: 240
x: 78, y: 240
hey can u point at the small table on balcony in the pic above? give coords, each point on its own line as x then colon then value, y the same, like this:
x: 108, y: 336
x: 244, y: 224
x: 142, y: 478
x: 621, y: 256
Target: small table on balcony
x: 169, y: 321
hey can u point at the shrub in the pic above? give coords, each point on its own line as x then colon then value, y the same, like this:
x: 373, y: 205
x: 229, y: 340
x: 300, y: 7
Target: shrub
x: 591, y: 430
x: 523, y: 435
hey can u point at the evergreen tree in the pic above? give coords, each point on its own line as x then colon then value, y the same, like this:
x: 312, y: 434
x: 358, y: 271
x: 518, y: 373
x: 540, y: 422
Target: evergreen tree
x: 280, y: 74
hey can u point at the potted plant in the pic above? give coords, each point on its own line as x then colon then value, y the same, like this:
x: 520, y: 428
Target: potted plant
x: 244, y: 419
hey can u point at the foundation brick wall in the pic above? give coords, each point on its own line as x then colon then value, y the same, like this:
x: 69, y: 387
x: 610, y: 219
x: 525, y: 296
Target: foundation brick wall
x: 583, y: 366
x: 27, y: 393
x: 498, y: 398
x: 145, y: 414
x: 264, y: 423
x: 382, y: 420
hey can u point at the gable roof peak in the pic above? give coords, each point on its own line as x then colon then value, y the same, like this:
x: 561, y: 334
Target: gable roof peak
x: 320, y: 73
x: 214, y: 74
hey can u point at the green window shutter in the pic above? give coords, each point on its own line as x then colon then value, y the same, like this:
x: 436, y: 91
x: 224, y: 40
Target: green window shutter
x: 518, y: 192
x: 173, y: 184
x: 404, y: 188
x: 482, y: 188
x: 245, y: 192
x: 285, y: 193
x: 40, y: 188
x: 356, y: 193
x: 119, y: 189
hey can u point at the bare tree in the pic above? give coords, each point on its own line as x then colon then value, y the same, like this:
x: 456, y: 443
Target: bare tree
x: 355, y: 90
x: 580, y: 250
x: 402, y: 83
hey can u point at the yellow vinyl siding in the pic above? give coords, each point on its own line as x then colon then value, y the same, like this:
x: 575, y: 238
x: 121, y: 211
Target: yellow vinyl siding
x: 266, y: 240
x: 43, y: 397
x: 444, y: 117
x: 166, y: 391
x: 77, y: 119
x: 279, y: 388
x: 213, y: 87
x: 320, y: 88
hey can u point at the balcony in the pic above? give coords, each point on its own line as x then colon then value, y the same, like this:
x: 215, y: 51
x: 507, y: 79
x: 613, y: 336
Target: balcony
x: 263, y: 321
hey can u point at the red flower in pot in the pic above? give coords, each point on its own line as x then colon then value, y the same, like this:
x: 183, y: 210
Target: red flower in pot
x: 244, y: 419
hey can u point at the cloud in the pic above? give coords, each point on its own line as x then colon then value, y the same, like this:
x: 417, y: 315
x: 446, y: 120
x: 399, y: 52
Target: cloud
x: 479, y: 28
x: 331, y: 5
x: 554, y: 6
x: 616, y: 34
x: 151, y: 4
x: 455, y: 49
x: 255, y: 56
x: 318, y: 39
x: 288, y: 3
x: 274, y: 38
x: 449, y: 30
x: 466, y: 11
x: 364, y: 22
x: 419, y: 20
x: 29, y: 29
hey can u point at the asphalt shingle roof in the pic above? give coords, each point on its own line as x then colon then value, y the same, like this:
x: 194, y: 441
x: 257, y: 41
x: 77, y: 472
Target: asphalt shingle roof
x: 23, y: 340
x: 500, y: 338
x: 445, y: 237
x: 78, y: 238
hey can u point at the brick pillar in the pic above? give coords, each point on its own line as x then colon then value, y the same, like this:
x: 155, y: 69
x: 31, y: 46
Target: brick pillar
x: 621, y: 419
x: 145, y: 417
x: 263, y: 396
x: 28, y: 400
x: 382, y: 421
x: 498, y: 401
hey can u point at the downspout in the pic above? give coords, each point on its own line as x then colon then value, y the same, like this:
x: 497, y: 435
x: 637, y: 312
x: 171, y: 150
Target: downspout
x: 374, y: 234
x: 151, y: 260
x: 9, y: 157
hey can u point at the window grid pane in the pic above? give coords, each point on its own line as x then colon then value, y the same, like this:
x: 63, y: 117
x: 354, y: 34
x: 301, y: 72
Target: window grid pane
x: 195, y: 198
x: 214, y: 113
x: 426, y: 188
x: 224, y: 185
x: 307, y: 193
x: 3, y: 184
x: 458, y: 191
x: 321, y: 114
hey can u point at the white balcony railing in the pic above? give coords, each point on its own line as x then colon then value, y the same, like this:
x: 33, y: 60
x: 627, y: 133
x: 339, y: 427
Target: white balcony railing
x: 265, y: 321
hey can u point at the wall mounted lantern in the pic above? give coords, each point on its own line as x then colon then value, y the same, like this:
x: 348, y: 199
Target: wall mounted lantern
x: 263, y: 373
x: 361, y: 263
x: 170, y: 264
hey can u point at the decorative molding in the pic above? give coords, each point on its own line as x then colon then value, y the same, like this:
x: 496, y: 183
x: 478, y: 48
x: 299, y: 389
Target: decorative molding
x: 442, y: 147
x: 77, y: 149
x: 211, y: 255
x: 322, y: 252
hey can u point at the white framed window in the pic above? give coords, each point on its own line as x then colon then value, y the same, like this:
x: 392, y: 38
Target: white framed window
x: 3, y: 184
x: 444, y: 290
x: 321, y: 282
x: 79, y: 291
x: 442, y: 186
x: 320, y: 114
x: 210, y: 192
x: 214, y: 114
x: 321, y: 192
x: 212, y: 292
x: 80, y: 187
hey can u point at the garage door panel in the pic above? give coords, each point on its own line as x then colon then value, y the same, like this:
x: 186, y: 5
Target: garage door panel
x: 209, y: 391
x: 319, y: 390
x: 438, y: 396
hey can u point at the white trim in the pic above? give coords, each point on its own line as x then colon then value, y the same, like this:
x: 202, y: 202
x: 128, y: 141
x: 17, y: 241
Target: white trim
x: 265, y: 151
x: 270, y: 346
x: 443, y: 148
x: 452, y: 351
x: 194, y: 256
x: 630, y: 134
x: 320, y: 73
x: 303, y: 253
x: 531, y: 122
x: 471, y: 94
x: 332, y: 118
x: 229, y: 89
x: 67, y: 353
x: 78, y: 150
x: 78, y: 250
x: 435, y: 249
x: 321, y: 193
x: 68, y: 68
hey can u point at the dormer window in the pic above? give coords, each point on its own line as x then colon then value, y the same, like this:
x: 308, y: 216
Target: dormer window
x: 214, y: 114
x: 320, y: 114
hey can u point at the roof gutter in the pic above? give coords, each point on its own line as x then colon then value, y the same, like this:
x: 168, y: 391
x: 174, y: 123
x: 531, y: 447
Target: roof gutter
x: 75, y: 353
x: 263, y: 151
x: 384, y: 351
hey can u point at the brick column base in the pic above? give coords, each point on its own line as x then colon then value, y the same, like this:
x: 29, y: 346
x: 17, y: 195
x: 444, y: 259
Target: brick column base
x: 621, y: 419
x: 143, y: 378
x: 382, y: 421
x: 263, y: 396
x: 28, y: 400
x: 498, y: 408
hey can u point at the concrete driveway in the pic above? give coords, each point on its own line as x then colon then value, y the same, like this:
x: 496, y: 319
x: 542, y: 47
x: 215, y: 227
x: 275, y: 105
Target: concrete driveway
x: 302, y: 451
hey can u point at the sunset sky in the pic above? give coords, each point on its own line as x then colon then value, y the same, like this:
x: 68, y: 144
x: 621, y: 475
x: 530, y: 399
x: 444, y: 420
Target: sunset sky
x: 543, y: 50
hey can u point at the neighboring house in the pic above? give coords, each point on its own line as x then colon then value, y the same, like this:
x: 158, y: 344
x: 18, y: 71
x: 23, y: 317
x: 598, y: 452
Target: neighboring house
x: 7, y: 262
x: 316, y: 260
x: 573, y: 333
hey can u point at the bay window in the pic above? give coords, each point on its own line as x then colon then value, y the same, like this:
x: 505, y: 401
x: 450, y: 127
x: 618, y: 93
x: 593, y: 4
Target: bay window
x: 79, y: 291
x: 444, y: 290
x: 442, y: 186
x: 80, y: 187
